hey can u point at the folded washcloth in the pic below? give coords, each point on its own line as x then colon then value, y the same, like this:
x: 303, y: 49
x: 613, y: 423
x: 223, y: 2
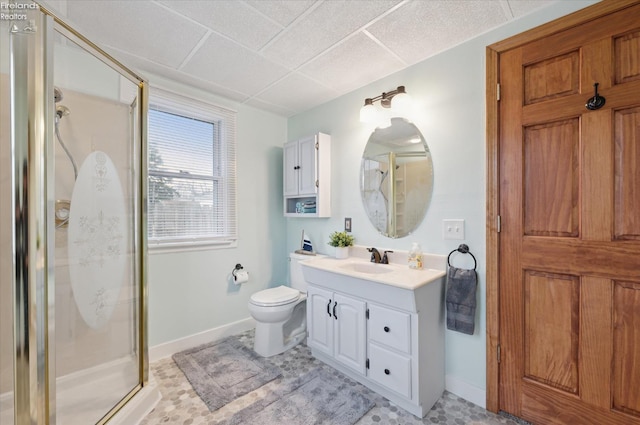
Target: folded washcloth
x: 308, y: 210
x: 461, y: 300
x: 309, y: 204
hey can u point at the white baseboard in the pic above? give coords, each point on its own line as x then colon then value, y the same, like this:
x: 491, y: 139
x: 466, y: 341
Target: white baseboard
x: 168, y: 349
x: 467, y: 391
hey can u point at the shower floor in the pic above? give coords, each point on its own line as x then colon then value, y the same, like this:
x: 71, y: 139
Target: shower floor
x: 84, y: 397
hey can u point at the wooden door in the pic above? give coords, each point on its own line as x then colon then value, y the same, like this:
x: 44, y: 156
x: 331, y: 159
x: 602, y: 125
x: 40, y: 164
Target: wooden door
x: 350, y: 332
x: 569, y: 246
x: 320, y: 319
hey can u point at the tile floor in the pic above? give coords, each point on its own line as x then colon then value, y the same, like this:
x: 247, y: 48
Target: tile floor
x: 180, y: 405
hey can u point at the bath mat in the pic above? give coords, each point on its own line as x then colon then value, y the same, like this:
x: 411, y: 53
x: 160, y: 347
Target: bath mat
x: 224, y: 370
x: 317, y: 397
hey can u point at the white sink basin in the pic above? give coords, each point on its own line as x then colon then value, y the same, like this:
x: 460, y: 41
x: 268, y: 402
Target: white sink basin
x: 330, y: 270
x: 371, y: 268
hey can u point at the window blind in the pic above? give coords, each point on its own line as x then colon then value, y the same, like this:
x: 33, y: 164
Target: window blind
x: 192, y: 172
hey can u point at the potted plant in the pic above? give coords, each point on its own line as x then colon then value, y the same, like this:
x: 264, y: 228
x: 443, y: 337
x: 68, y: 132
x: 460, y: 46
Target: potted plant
x: 341, y: 241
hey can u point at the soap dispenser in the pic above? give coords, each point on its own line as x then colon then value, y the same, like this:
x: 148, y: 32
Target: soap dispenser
x: 415, y: 256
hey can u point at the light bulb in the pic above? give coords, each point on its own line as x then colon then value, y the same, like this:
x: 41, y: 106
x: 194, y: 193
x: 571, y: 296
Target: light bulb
x: 368, y: 113
x: 401, y: 104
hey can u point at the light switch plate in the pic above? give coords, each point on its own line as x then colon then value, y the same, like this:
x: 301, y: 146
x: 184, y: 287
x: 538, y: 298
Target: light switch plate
x: 453, y: 229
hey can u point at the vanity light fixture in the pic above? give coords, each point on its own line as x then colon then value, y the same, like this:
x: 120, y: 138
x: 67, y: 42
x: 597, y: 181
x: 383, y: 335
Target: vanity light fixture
x: 401, y: 102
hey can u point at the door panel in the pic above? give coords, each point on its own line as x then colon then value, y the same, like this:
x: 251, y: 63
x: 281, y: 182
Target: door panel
x: 627, y: 173
x: 551, y: 183
x: 551, y: 329
x: 626, y: 340
x: 350, y: 333
x: 569, y: 195
x: 319, y: 320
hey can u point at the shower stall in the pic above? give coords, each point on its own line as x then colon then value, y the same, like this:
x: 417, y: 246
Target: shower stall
x: 73, y: 344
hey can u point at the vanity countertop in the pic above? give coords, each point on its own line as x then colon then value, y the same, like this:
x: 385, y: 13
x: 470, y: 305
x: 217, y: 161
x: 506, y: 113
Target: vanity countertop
x: 397, y: 275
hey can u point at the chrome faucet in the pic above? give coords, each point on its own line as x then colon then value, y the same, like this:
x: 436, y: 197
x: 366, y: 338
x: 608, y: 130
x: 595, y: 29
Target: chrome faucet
x: 375, y: 255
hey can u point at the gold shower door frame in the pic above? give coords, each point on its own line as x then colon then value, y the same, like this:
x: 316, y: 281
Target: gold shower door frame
x: 33, y: 206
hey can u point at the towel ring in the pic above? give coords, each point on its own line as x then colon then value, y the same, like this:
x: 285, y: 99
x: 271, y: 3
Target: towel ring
x: 465, y: 250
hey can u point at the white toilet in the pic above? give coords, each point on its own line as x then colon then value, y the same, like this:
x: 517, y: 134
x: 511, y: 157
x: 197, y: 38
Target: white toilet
x: 281, y: 313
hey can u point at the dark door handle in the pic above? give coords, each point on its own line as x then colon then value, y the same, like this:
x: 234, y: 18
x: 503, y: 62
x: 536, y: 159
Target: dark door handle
x: 387, y: 372
x: 386, y: 329
x: 334, y: 310
x: 328, y: 307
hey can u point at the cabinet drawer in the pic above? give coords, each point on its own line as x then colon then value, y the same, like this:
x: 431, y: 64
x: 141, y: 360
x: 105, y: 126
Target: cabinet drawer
x: 390, y: 327
x: 390, y: 369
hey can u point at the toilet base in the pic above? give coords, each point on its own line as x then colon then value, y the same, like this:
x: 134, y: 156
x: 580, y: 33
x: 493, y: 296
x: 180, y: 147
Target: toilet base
x: 269, y: 339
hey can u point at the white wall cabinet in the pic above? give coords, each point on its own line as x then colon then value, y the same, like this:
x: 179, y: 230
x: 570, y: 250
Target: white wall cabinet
x: 337, y: 327
x: 307, y: 176
x: 397, y: 333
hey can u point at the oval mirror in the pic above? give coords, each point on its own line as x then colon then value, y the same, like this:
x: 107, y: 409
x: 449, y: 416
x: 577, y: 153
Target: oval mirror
x: 396, y: 178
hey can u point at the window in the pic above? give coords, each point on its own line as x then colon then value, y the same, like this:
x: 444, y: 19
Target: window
x: 191, y: 198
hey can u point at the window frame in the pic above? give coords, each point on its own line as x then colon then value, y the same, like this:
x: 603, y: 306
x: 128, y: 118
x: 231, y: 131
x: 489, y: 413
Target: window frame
x: 224, y: 127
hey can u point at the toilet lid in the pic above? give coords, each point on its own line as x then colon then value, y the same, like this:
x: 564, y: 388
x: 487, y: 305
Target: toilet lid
x: 275, y: 296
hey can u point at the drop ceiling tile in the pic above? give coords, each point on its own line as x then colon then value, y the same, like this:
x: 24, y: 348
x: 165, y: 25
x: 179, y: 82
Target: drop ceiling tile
x: 352, y: 64
x: 297, y: 93
x: 325, y: 25
x: 276, y: 109
x: 142, y: 28
x: 522, y: 7
x: 283, y: 12
x: 233, y: 66
x: 149, y: 70
x: 232, y: 18
x: 420, y: 29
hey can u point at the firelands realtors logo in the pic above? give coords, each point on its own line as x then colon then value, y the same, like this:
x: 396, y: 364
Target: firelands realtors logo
x: 15, y: 11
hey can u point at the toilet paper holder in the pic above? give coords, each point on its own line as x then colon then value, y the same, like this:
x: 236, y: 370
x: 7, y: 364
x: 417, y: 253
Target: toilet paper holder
x: 236, y: 269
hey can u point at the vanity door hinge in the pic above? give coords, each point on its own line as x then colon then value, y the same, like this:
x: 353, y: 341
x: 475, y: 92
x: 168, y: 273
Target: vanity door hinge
x: 367, y: 364
x: 498, y: 352
x: 367, y: 314
x: 317, y: 146
x: 498, y: 91
x: 498, y: 223
x: 317, y: 183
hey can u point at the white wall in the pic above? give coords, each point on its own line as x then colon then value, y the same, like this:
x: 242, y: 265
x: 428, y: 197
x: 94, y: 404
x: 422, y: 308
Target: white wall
x: 190, y: 292
x: 448, y: 91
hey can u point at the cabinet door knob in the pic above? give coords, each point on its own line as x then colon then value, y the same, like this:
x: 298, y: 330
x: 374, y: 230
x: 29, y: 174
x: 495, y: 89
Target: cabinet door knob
x: 387, y: 372
x: 386, y: 329
x: 328, y: 307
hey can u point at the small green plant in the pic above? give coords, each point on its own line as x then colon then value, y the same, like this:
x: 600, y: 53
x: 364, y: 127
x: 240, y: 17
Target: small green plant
x: 341, y: 239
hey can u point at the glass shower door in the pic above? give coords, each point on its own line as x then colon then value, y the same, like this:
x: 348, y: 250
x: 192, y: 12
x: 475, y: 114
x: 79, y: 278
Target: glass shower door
x: 97, y: 240
x: 72, y: 312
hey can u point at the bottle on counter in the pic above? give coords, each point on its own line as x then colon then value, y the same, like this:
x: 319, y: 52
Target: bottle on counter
x: 415, y: 256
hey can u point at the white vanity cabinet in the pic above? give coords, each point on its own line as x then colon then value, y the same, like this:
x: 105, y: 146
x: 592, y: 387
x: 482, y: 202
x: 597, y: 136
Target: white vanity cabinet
x: 307, y: 176
x: 399, y: 332
x: 336, y: 324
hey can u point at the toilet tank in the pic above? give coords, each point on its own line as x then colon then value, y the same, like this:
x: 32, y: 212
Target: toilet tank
x: 296, y: 279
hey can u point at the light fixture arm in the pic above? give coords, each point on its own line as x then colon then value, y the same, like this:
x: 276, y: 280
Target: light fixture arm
x: 385, y: 97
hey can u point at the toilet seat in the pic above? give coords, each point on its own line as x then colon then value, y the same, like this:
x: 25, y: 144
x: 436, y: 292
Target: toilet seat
x: 275, y: 296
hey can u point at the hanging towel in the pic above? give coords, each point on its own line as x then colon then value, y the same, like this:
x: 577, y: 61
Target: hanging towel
x: 461, y: 300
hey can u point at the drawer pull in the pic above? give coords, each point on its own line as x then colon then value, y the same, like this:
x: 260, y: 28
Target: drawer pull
x: 387, y: 372
x: 328, y: 307
x: 386, y: 329
x: 335, y: 316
